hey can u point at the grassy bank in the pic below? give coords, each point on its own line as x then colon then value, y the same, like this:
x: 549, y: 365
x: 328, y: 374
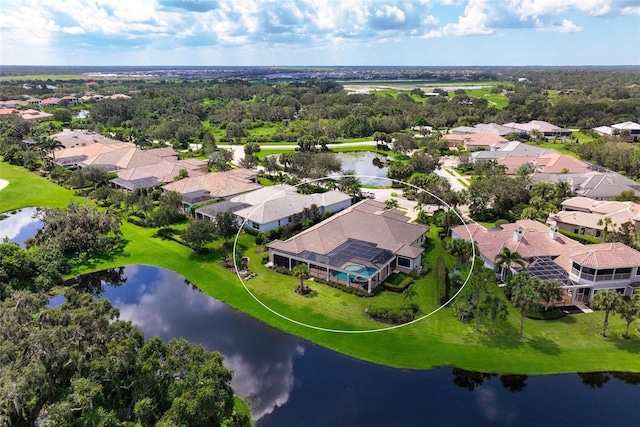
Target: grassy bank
x: 570, y: 344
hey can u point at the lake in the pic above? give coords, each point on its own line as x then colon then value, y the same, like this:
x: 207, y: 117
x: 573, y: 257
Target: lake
x: 371, y: 167
x: 292, y: 382
x: 19, y: 226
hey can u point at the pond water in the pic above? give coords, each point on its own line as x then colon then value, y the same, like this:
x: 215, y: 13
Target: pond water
x: 292, y: 382
x: 367, y: 164
x: 19, y: 226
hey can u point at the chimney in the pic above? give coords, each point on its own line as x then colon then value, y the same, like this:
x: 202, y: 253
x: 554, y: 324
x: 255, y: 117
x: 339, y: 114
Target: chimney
x: 518, y: 232
x: 553, y: 232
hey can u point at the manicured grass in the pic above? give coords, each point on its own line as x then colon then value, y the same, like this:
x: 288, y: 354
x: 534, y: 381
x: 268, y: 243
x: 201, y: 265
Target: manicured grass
x: 559, y: 147
x: 570, y: 344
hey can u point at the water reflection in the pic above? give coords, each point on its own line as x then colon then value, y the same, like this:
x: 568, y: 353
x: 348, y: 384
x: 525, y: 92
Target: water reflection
x: 365, y: 163
x: 19, y: 226
x: 159, y: 302
x: 289, y: 381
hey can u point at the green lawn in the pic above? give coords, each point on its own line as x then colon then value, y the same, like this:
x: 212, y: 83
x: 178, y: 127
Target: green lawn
x: 570, y: 344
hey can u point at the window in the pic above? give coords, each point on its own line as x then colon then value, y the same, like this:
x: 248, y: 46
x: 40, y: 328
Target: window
x: 255, y: 225
x: 404, y: 262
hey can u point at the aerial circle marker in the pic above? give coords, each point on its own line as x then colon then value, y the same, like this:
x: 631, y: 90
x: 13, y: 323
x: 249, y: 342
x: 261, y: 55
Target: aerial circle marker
x: 352, y: 331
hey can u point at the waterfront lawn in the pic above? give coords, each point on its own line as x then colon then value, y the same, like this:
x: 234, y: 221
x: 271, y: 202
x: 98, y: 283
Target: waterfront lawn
x: 570, y: 344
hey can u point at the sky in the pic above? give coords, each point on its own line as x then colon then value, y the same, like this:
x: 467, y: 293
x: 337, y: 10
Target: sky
x: 320, y: 32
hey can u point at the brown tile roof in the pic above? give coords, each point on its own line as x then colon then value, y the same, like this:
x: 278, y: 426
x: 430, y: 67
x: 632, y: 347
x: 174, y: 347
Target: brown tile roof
x: 605, y: 255
x: 165, y: 171
x: 367, y: 221
x: 125, y: 158
x: 536, y: 240
x: 218, y: 184
x: 91, y: 150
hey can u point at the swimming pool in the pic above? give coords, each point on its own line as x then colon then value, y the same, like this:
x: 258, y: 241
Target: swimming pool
x: 362, y: 271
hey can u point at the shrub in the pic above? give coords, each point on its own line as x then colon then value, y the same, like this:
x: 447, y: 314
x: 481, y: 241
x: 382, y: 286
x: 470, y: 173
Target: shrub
x: 397, y: 316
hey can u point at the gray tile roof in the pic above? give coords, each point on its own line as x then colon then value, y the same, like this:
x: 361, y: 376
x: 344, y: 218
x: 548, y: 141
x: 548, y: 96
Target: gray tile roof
x: 367, y: 221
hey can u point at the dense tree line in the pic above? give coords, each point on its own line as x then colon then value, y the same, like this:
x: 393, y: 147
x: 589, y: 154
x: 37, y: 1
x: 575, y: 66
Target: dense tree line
x: 79, y: 365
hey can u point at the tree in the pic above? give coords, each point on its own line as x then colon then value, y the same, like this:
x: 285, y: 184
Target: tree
x: 608, y: 300
x: 235, y: 131
x: 524, y: 296
x: 49, y: 145
x: 182, y: 174
x: 391, y: 203
x: 402, y: 143
x: 505, y: 259
x: 226, y: 225
x: 549, y: 291
x: 198, y: 233
x: 81, y: 365
x: 270, y: 163
x: 461, y: 249
x: 168, y: 210
x: 410, y: 293
x: 301, y: 271
x: 77, y: 230
x: 496, y: 308
x: 477, y: 286
x: 629, y: 310
x: 219, y: 160
x: 424, y: 162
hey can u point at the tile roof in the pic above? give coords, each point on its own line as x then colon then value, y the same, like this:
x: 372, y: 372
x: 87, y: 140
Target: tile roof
x: 218, y: 184
x: 536, y: 241
x: 165, y: 171
x: 605, y: 255
x: 293, y: 203
x: 367, y: 221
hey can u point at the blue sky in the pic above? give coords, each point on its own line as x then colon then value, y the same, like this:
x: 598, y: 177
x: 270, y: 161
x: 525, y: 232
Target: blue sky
x: 320, y: 32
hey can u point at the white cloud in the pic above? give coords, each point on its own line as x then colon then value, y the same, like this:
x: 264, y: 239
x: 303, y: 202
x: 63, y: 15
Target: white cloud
x: 473, y: 22
x: 630, y: 10
x: 527, y: 8
x: 565, y: 26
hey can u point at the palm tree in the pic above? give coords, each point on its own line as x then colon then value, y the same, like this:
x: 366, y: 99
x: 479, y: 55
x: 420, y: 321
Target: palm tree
x: 301, y: 271
x: 409, y: 293
x: 49, y: 145
x: 524, y: 298
x: 461, y: 249
x: 629, y: 310
x: 504, y: 259
x: 550, y: 290
x: 608, y: 300
x: 496, y: 307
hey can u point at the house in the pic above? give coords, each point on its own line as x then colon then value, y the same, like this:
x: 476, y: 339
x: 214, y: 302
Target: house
x: 598, y: 185
x: 581, y: 269
x: 156, y: 174
x: 217, y: 185
x: 13, y: 103
x: 82, y: 138
x: 34, y: 115
x: 73, y: 156
x: 474, y: 141
x: 490, y: 128
x: 51, y: 101
x: 598, y: 267
x: 583, y: 215
x: 69, y: 100
x: 545, y: 129
x: 550, y: 162
x: 129, y: 156
x: 212, y: 210
x: 632, y: 128
x: 359, y: 246
x: 280, y: 211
